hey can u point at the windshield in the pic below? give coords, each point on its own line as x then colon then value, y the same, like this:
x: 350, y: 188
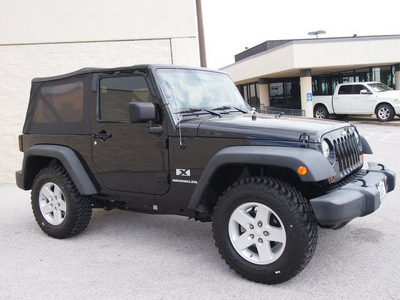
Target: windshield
x: 198, y: 90
x: 379, y: 87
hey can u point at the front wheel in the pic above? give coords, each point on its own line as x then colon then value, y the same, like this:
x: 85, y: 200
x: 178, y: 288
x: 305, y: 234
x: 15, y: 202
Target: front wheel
x: 265, y: 230
x: 58, y: 207
x: 385, y: 112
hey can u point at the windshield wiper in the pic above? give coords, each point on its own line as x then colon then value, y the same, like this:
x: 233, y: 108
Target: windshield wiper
x: 222, y: 107
x: 189, y: 110
x: 195, y: 110
x: 229, y: 107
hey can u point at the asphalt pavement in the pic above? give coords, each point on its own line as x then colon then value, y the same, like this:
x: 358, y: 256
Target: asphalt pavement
x: 125, y: 255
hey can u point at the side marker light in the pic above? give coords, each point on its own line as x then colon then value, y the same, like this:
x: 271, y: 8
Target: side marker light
x: 302, y: 170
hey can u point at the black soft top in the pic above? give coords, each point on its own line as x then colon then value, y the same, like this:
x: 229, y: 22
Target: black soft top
x: 86, y: 71
x: 62, y: 104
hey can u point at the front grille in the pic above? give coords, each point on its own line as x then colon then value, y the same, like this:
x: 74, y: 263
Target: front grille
x: 347, y: 153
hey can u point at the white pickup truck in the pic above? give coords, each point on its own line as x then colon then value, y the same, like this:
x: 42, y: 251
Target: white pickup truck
x: 361, y: 98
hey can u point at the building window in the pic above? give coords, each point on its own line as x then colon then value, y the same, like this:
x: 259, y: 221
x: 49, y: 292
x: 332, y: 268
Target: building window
x: 362, y: 75
x: 384, y: 75
x: 251, y: 94
x: 285, y: 94
x: 326, y: 84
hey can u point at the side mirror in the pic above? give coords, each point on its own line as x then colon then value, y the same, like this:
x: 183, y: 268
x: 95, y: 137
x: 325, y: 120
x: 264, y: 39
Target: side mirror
x: 365, y: 92
x: 142, y: 112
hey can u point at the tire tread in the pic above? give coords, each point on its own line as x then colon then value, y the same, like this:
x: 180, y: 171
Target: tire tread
x: 81, y: 205
x: 292, y: 200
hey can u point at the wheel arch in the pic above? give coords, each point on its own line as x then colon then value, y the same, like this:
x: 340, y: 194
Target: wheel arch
x: 235, y: 163
x: 381, y: 103
x: 318, y: 105
x: 38, y: 157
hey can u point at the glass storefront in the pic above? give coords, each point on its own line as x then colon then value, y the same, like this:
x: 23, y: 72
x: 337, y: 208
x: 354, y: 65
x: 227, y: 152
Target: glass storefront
x: 326, y: 84
x: 251, y: 94
x: 285, y: 92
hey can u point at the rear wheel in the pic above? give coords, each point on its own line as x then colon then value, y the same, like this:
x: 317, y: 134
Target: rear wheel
x: 58, y: 207
x: 265, y: 230
x: 320, y: 112
x: 385, y: 112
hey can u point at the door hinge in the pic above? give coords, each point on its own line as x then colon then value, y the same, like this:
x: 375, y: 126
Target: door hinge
x: 163, y: 144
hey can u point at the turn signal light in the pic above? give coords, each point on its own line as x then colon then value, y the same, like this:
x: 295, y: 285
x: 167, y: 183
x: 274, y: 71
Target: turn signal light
x: 302, y: 170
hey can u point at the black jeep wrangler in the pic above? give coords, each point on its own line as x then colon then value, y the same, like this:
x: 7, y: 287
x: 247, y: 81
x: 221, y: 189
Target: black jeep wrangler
x: 172, y: 140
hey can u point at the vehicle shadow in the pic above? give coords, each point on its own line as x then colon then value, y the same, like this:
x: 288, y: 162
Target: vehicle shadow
x: 362, y: 119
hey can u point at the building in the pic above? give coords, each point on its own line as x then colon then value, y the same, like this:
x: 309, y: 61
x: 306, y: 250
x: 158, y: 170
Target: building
x: 283, y: 73
x: 45, y: 38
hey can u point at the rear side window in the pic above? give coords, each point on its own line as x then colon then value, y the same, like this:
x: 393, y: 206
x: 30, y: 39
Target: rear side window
x: 116, y: 93
x: 60, y: 106
x: 345, y: 90
x: 60, y: 103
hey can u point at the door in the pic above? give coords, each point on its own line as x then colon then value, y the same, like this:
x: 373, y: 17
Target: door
x: 342, y: 100
x: 127, y: 157
x: 362, y: 103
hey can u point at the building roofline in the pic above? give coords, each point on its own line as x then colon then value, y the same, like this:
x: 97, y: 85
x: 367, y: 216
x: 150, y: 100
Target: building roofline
x: 272, y: 45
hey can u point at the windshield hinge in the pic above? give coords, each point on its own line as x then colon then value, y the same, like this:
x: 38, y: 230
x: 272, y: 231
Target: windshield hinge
x: 304, y: 140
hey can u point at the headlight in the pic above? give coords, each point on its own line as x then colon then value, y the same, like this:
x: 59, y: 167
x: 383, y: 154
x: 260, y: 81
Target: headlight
x: 358, y: 140
x: 325, y: 148
x: 327, y: 151
x: 357, y: 136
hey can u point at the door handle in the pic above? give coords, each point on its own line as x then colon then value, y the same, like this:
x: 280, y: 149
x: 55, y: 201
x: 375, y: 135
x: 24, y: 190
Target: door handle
x: 103, y: 135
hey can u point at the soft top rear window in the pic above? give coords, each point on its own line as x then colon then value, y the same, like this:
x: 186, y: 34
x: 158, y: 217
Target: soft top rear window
x: 59, y: 107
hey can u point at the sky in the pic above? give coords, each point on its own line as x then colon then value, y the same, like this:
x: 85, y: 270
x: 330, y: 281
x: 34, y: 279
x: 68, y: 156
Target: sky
x: 232, y: 25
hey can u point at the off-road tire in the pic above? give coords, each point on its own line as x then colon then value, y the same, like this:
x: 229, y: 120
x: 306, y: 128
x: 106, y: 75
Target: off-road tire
x: 385, y: 112
x: 76, y: 209
x: 294, y: 214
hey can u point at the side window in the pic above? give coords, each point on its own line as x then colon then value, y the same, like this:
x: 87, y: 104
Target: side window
x: 357, y: 88
x: 116, y: 93
x: 61, y: 103
x: 345, y: 90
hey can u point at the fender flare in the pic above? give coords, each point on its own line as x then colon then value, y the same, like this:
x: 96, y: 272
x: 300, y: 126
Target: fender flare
x: 70, y: 161
x: 318, y: 166
x: 365, y: 146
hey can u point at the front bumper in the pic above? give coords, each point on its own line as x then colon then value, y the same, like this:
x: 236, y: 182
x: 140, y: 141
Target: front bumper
x: 358, y: 198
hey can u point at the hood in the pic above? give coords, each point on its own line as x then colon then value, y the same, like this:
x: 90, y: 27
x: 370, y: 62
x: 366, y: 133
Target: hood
x: 391, y: 94
x: 263, y: 127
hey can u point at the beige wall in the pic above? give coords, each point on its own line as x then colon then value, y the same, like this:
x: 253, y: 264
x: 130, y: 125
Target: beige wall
x: 44, y: 21
x: 36, y: 43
